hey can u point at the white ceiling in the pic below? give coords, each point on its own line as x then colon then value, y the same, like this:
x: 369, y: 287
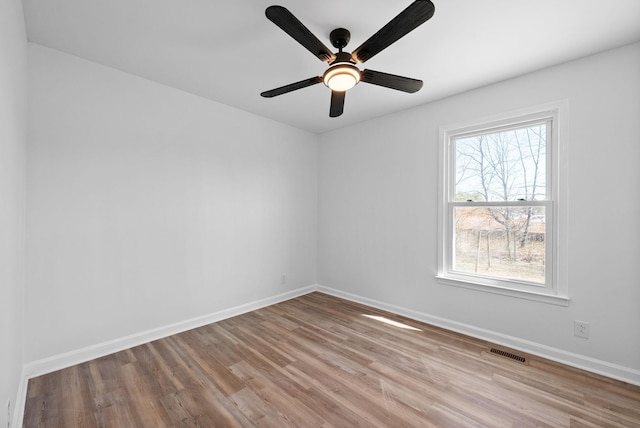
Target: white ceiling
x: 227, y: 50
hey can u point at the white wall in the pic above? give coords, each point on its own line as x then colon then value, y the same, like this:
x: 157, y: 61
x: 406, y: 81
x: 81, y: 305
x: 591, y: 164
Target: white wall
x: 13, y: 141
x: 378, y: 213
x: 148, y: 206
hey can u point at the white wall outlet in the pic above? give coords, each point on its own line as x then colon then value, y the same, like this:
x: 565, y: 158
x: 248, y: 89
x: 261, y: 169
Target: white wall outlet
x: 581, y: 329
x: 283, y: 279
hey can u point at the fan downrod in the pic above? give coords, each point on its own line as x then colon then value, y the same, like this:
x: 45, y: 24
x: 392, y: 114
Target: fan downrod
x: 340, y: 38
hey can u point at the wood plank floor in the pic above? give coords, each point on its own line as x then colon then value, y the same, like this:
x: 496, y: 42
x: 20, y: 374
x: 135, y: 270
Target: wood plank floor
x: 318, y: 361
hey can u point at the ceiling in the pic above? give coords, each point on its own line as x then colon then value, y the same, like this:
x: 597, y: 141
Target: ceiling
x: 227, y: 50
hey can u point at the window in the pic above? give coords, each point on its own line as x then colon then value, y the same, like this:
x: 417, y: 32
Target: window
x: 500, y: 206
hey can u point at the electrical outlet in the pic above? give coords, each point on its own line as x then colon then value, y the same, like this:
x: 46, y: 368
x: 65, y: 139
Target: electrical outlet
x: 581, y: 329
x: 8, y: 413
x: 283, y: 280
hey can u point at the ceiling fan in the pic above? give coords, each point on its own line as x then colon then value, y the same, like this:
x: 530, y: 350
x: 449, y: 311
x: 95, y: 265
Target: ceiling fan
x: 342, y: 73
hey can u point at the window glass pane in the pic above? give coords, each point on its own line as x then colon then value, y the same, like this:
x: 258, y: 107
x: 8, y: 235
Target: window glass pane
x: 502, y: 166
x: 500, y: 242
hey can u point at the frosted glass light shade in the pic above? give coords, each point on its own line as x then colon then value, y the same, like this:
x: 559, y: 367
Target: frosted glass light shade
x: 341, y: 77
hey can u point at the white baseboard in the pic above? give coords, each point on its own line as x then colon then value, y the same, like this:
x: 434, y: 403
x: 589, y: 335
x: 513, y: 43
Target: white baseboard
x: 589, y: 364
x: 20, y: 402
x: 67, y: 359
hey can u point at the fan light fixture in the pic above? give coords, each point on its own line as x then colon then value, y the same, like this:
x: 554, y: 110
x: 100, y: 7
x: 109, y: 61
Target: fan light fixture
x: 342, y: 73
x: 341, y: 76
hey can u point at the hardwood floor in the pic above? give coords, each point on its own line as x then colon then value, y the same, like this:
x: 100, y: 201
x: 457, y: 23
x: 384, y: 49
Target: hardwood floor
x: 318, y: 361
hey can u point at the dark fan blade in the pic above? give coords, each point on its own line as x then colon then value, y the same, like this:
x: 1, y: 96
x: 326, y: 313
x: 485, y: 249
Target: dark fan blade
x: 416, y: 14
x: 292, y: 87
x: 296, y: 29
x: 392, y: 81
x: 337, y: 103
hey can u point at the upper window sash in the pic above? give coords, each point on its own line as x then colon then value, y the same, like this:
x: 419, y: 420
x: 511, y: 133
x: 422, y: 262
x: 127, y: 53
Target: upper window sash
x: 547, y: 118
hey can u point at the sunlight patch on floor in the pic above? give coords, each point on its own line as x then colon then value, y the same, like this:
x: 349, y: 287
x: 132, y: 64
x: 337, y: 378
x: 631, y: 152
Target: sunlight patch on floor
x: 390, y: 322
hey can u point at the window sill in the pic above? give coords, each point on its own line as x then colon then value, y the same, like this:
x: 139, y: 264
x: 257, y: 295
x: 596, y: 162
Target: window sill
x: 520, y: 294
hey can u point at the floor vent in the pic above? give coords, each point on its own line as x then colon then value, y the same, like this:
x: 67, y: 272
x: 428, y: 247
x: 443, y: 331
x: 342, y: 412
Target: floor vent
x: 509, y: 355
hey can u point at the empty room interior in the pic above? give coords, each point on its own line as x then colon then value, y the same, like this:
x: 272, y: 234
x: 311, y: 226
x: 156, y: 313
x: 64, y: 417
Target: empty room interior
x: 438, y: 227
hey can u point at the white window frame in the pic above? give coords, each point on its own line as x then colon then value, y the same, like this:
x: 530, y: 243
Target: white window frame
x: 555, y: 288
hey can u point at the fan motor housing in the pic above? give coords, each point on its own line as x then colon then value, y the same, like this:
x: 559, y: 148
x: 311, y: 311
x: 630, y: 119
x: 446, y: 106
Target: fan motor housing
x: 342, y: 57
x: 340, y: 38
